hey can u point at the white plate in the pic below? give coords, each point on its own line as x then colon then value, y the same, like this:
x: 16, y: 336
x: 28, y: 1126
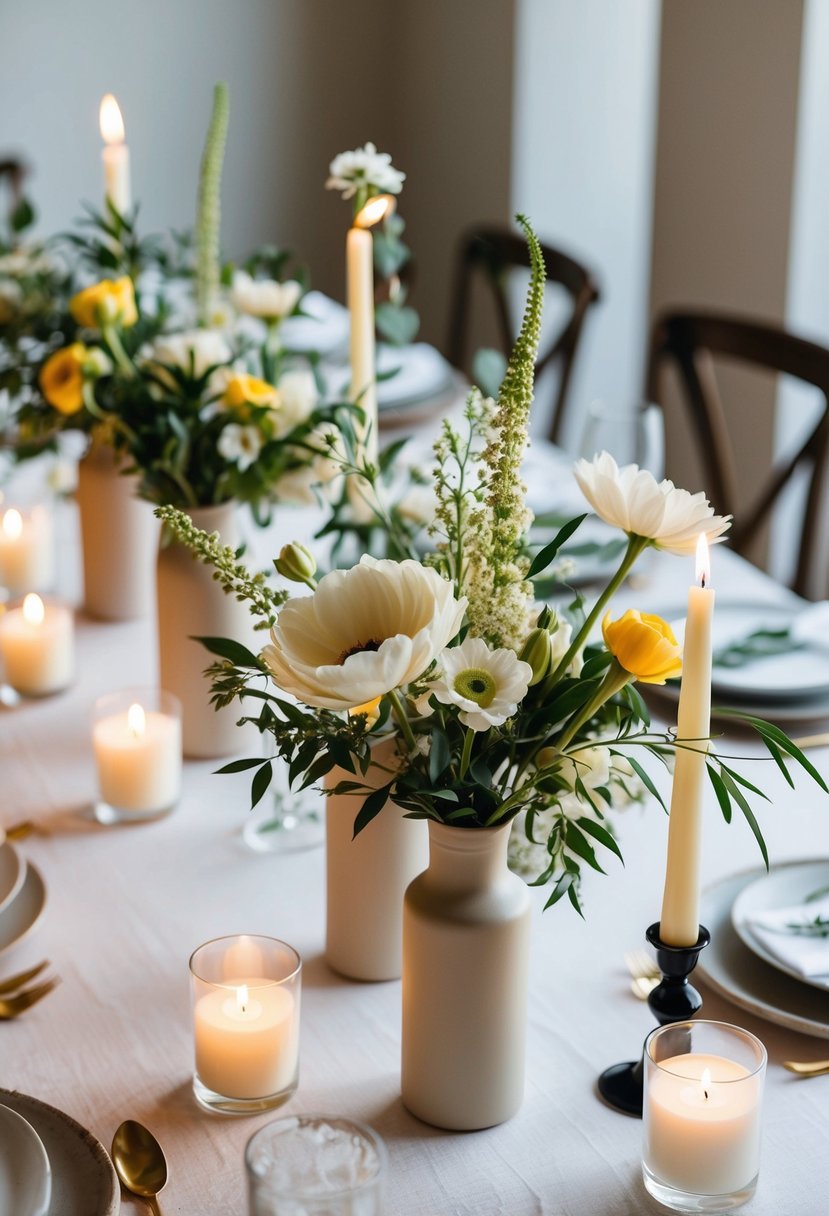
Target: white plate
x: 420, y: 373
x: 83, y: 1180
x: 743, y: 978
x: 25, y: 910
x: 25, y: 1176
x: 784, y: 887
x: 12, y: 873
x: 323, y: 327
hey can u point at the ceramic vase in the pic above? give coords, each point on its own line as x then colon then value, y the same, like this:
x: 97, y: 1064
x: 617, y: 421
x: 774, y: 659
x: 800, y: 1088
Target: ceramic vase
x: 367, y: 876
x: 119, y: 540
x: 466, y: 927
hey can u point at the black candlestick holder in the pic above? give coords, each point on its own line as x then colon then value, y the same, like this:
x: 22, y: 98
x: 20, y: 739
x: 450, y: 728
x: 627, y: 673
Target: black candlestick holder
x: 673, y: 999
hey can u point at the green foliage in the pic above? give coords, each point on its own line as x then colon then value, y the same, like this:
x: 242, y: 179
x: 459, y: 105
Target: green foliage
x: 209, y: 207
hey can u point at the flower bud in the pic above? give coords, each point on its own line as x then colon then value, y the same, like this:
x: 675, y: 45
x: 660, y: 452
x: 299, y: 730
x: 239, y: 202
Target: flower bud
x: 296, y: 563
x: 537, y: 652
x: 96, y: 363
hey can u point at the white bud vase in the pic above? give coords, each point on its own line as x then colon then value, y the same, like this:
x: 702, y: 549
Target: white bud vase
x: 119, y: 539
x: 191, y: 604
x: 367, y: 875
x: 466, y: 927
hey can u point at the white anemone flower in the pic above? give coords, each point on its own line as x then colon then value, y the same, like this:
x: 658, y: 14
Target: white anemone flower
x: 633, y: 500
x: 486, y: 684
x: 240, y: 445
x: 264, y: 297
x: 350, y: 171
x: 194, y: 351
x: 363, y: 633
x: 298, y: 398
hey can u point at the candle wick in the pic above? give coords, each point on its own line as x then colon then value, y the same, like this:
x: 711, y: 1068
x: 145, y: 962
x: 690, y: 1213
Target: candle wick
x: 702, y: 581
x: 705, y: 1092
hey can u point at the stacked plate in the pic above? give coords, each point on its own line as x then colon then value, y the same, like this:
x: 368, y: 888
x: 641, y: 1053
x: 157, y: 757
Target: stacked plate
x: 50, y: 1165
x: 746, y: 966
x: 22, y: 897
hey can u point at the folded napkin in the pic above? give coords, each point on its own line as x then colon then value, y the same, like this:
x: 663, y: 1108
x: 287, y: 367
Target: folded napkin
x: 811, y: 626
x: 803, y: 952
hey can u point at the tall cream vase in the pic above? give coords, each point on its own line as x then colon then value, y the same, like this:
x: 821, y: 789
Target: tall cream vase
x: 119, y: 539
x: 367, y: 875
x: 191, y: 604
x: 466, y: 928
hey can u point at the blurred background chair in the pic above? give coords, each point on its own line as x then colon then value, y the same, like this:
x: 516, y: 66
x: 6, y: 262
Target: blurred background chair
x: 493, y: 253
x: 12, y: 175
x: 689, y: 341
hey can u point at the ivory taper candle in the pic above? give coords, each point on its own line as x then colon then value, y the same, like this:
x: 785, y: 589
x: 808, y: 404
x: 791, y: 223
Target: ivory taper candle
x: 360, y: 292
x: 115, y: 155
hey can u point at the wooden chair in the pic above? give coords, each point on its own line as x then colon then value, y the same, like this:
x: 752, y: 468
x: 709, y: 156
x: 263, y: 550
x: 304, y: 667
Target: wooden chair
x: 13, y: 172
x: 494, y: 252
x: 689, y: 340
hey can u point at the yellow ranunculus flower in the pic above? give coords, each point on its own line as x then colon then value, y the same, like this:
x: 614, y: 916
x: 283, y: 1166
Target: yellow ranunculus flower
x: 61, y: 378
x: 110, y: 302
x: 644, y: 645
x: 242, y: 390
x: 371, y: 709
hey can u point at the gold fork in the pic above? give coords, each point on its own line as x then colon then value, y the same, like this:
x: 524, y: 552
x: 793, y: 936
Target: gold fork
x: 645, y: 973
x: 19, y: 831
x: 13, y: 1006
x: 17, y: 981
x: 814, y: 1068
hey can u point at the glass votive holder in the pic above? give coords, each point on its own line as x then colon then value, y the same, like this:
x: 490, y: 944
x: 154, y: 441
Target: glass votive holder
x: 136, y: 737
x: 702, y: 1106
x: 27, y: 548
x: 246, y: 999
x: 37, y: 647
x: 317, y: 1166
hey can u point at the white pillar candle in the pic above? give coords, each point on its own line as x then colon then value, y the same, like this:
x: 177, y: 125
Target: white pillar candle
x: 679, y: 922
x: 702, y: 1124
x: 360, y: 292
x: 27, y: 551
x: 138, y: 757
x: 247, y: 1038
x: 115, y: 155
x: 37, y: 645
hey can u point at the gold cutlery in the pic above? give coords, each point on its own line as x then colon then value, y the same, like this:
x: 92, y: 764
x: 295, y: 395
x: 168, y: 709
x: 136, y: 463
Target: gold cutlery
x: 645, y: 973
x: 13, y: 1006
x: 812, y: 741
x: 17, y: 981
x: 812, y: 1068
x: 139, y: 1162
x: 18, y: 831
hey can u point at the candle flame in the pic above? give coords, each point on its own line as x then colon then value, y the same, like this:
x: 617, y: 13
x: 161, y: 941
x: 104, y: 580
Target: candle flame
x: 33, y: 610
x: 111, y: 122
x: 242, y: 997
x: 376, y: 209
x: 703, y: 561
x: 12, y: 523
x: 136, y: 721
x: 705, y: 1082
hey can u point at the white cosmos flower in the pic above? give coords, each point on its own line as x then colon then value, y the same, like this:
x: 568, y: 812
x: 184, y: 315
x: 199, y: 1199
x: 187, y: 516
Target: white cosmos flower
x: 240, y: 445
x: 486, y: 684
x: 298, y: 399
x: 633, y: 500
x: 194, y: 350
x: 264, y: 297
x: 364, y: 167
x: 364, y: 632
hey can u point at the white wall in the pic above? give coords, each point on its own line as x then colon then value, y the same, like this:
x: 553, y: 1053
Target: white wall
x: 583, y: 148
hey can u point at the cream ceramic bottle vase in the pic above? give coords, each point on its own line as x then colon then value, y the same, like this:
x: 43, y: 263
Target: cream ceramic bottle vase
x: 191, y: 604
x: 119, y: 539
x: 466, y: 927
x: 367, y: 875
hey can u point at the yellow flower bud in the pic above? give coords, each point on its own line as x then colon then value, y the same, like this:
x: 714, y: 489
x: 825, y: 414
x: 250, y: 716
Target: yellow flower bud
x: 643, y: 645
x: 296, y: 563
x: 243, y: 389
x: 110, y: 302
x: 62, y: 378
x: 371, y: 709
x: 537, y: 652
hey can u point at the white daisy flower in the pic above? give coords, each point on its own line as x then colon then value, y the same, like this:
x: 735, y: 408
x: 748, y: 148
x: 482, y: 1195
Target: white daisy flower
x: 364, y: 167
x: 485, y: 684
x: 633, y: 500
x: 298, y: 399
x: 264, y: 297
x: 240, y: 445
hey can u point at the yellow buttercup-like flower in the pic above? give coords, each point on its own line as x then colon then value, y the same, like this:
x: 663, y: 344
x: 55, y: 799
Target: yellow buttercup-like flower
x: 242, y: 389
x: 643, y: 645
x: 62, y: 378
x: 110, y: 302
x: 370, y: 708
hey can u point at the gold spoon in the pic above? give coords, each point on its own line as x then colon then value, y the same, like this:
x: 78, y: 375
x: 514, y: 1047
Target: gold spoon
x: 139, y: 1162
x: 813, y: 1068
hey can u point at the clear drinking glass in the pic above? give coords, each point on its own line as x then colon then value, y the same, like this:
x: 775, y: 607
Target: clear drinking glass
x: 701, y: 1117
x: 136, y: 737
x: 286, y: 820
x: 631, y: 435
x: 315, y: 1166
x: 246, y: 1000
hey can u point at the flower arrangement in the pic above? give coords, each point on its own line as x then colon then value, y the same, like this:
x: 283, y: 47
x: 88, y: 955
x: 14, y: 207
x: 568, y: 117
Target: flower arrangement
x: 500, y: 707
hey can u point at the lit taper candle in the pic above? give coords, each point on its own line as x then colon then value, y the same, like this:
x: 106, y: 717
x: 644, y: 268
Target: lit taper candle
x: 115, y: 155
x: 360, y: 290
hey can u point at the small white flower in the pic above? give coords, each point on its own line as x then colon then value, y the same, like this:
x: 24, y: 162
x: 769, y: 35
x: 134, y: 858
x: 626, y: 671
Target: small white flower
x: 194, y: 350
x: 486, y: 684
x: 264, y: 297
x: 633, y: 500
x: 240, y: 445
x: 350, y: 171
x: 298, y: 399
x: 322, y: 473
x: 590, y: 765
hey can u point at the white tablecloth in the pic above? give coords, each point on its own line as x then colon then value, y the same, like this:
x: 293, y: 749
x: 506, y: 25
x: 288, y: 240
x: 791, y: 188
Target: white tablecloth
x: 128, y: 905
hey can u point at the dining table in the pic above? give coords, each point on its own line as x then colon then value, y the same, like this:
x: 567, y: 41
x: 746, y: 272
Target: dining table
x: 128, y: 904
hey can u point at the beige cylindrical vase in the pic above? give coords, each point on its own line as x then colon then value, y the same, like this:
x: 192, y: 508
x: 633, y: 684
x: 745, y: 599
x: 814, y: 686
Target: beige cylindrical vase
x: 367, y: 875
x: 119, y: 539
x: 191, y: 604
x: 466, y: 929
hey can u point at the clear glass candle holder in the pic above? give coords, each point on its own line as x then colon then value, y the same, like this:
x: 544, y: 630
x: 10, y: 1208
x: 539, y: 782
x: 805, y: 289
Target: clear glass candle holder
x: 37, y: 648
x: 315, y: 1166
x: 702, y: 1107
x: 246, y: 999
x: 136, y: 738
x: 27, y: 546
